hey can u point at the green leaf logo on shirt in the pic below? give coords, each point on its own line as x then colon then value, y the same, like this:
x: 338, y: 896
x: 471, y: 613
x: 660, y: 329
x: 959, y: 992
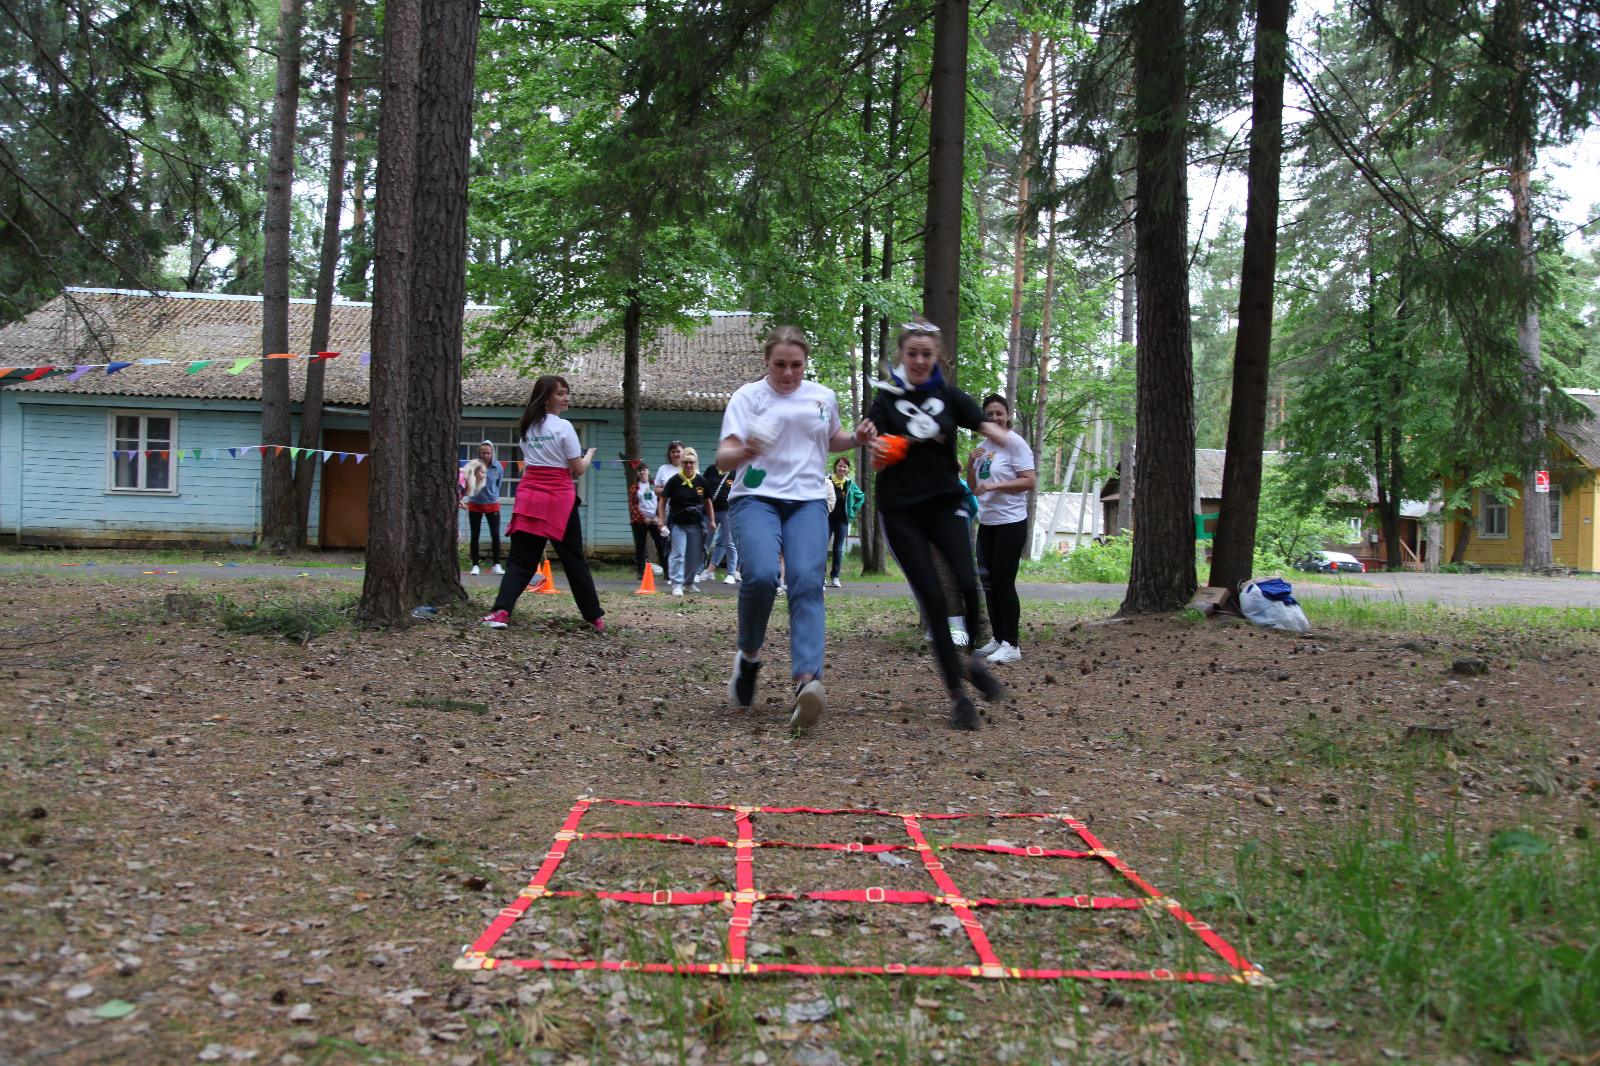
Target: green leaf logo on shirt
x: 753, y: 477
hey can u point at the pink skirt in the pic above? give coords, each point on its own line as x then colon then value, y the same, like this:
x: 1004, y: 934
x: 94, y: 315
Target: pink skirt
x: 545, y: 498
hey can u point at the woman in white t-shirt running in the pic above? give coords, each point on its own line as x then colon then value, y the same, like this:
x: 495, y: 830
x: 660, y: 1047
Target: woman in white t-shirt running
x: 1001, y: 475
x: 546, y: 510
x: 776, y: 436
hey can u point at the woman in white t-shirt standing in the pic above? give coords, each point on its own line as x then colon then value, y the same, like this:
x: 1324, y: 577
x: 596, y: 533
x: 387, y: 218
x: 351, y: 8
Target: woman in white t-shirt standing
x: 546, y: 510
x: 1001, y: 475
x: 776, y: 436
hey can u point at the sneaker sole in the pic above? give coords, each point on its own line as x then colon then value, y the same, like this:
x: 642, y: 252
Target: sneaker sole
x: 494, y: 625
x: 808, y: 707
x: 733, y: 692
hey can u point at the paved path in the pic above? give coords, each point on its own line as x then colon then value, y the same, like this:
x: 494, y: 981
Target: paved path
x: 1454, y: 590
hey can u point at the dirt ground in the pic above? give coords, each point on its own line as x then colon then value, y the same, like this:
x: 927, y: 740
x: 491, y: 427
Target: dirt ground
x: 231, y: 847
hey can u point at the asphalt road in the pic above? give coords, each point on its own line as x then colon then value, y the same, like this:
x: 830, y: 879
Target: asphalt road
x: 1453, y: 590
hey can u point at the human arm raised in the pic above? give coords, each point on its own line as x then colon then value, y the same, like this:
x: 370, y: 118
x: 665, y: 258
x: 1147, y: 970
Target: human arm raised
x: 580, y: 465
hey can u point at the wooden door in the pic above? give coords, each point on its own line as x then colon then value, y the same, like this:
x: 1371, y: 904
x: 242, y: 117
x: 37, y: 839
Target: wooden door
x: 344, y: 490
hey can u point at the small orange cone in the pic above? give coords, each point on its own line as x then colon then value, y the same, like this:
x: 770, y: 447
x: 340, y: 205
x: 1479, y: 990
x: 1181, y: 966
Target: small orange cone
x: 647, y: 587
x: 549, y: 586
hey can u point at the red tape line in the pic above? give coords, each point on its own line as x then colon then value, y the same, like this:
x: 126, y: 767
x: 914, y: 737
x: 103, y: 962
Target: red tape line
x: 745, y: 896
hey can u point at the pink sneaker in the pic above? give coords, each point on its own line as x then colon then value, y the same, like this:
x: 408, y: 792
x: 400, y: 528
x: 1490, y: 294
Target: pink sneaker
x: 599, y: 625
x: 497, y: 619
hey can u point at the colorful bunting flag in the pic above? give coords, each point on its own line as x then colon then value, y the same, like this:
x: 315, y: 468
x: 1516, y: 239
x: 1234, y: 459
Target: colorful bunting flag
x: 79, y: 372
x: 240, y: 364
x: 112, y: 368
x: 198, y: 365
x: 320, y: 356
x: 38, y: 373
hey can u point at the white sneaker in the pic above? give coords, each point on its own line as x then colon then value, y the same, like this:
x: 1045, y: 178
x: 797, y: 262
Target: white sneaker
x: 475, y: 571
x: 730, y: 580
x: 836, y: 583
x: 499, y: 569
x: 809, y: 702
x: 657, y: 568
x: 782, y: 588
x: 694, y: 588
x: 988, y: 649
x: 677, y: 590
x: 705, y: 575
x: 959, y: 635
x: 737, y: 576
x: 1006, y: 653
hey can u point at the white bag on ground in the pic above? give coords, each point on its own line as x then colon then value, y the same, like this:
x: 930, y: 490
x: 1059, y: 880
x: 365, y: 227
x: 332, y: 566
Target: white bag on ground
x: 1269, y: 602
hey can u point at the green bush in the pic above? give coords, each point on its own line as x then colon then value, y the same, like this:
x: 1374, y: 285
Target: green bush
x: 296, y: 619
x: 1109, y: 561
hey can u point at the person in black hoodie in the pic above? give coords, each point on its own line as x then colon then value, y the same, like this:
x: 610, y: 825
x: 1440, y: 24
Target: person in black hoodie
x: 723, y: 549
x: 914, y: 419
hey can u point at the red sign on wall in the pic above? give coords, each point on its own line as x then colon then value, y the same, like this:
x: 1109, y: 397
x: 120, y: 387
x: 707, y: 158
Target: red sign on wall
x: 1541, y: 481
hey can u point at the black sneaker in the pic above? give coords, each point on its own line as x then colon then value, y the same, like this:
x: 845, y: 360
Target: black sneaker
x: 963, y: 715
x: 742, y: 685
x: 984, y: 681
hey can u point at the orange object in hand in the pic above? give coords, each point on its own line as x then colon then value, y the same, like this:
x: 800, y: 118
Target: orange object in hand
x: 888, y: 450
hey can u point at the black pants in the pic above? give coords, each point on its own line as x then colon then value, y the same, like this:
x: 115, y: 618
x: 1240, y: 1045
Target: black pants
x: 523, y: 561
x: 1000, y: 548
x: 915, y: 534
x: 643, y: 534
x: 839, y: 535
x: 475, y: 521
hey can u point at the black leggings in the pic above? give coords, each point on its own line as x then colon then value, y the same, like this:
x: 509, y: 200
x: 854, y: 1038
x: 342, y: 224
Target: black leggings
x: 915, y: 534
x: 1000, y: 548
x: 643, y: 534
x: 475, y: 520
x: 523, y: 561
x: 839, y: 534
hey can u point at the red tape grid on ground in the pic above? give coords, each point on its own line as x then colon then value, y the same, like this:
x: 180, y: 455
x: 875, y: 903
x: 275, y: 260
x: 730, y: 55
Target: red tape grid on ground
x: 478, y: 955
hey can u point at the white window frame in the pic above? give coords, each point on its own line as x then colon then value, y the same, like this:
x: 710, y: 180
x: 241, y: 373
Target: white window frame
x: 1488, y: 499
x: 143, y: 415
x: 1557, y: 513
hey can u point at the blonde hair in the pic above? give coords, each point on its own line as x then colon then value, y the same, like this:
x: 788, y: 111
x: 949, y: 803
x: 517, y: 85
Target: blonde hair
x: 687, y: 454
x: 921, y: 327
x: 785, y: 335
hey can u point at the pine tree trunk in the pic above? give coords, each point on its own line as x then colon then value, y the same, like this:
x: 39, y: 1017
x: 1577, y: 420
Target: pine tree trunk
x: 632, y: 328
x: 277, y: 484
x: 438, y: 296
x: 385, y: 592
x: 322, y: 314
x: 1127, y: 436
x: 947, y: 125
x: 1162, y: 576
x: 1537, y: 553
x: 1019, y: 243
x: 1233, y: 552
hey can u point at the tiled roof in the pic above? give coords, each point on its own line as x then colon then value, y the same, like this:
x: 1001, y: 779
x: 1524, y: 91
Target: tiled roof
x: 696, y: 372
x: 1583, y: 439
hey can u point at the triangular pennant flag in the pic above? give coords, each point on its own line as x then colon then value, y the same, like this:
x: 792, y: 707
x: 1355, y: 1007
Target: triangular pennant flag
x: 281, y: 355
x: 38, y: 373
x: 7, y: 371
x: 198, y: 365
x: 359, y: 456
x: 277, y: 449
x: 366, y: 358
x: 234, y: 452
x: 78, y: 373
x: 153, y: 362
x: 163, y: 455
x: 320, y: 356
x: 113, y: 367
x: 240, y: 364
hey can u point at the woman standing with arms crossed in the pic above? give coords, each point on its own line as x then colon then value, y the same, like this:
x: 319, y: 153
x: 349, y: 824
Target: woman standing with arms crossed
x: 922, y: 500
x: 546, y: 510
x: 480, y: 498
x: 642, y: 506
x: 689, y: 510
x: 1001, y: 475
x: 780, y: 430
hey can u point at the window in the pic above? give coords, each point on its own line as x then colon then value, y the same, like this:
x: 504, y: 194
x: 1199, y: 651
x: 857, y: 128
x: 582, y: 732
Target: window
x: 1355, y: 530
x: 141, y: 457
x: 503, y: 435
x: 1555, y: 516
x: 1494, y: 515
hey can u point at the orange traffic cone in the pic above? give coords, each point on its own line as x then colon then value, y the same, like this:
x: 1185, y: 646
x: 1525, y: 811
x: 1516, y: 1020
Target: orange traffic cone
x: 647, y: 587
x: 549, y: 586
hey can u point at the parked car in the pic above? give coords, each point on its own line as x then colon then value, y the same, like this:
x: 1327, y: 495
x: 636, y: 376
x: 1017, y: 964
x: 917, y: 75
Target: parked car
x: 1330, y: 563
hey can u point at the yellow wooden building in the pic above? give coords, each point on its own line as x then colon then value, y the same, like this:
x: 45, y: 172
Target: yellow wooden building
x: 1496, y: 536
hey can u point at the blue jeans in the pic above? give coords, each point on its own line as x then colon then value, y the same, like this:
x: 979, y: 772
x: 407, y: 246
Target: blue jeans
x: 723, y: 545
x: 685, y: 549
x: 798, y: 529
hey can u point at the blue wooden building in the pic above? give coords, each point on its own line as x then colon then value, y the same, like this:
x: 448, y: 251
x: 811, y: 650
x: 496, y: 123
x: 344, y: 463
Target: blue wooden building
x: 67, y: 478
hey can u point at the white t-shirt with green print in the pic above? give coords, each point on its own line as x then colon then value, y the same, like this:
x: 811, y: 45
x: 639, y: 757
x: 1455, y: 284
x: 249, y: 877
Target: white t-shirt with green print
x: 802, y: 422
x: 551, y: 443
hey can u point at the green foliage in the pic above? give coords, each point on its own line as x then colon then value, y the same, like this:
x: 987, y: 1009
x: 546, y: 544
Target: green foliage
x: 1108, y: 560
x: 295, y: 618
x: 1290, y: 524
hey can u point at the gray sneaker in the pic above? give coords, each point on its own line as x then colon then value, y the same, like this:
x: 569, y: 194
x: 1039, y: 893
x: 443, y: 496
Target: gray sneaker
x: 810, y: 700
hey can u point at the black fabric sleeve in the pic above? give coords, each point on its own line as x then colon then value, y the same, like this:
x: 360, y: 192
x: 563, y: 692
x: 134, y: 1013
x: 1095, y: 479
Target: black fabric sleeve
x: 879, y: 411
x: 964, y: 409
